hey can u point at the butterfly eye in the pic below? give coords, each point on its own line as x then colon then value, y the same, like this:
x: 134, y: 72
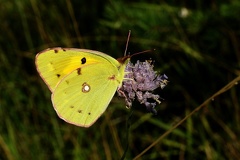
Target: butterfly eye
x: 85, y: 87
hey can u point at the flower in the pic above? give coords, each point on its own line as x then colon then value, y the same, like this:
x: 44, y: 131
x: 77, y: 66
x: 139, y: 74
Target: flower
x: 139, y: 82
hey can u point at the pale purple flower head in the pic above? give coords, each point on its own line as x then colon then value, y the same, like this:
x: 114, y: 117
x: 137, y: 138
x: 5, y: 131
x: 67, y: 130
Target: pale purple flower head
x: 139, y: 82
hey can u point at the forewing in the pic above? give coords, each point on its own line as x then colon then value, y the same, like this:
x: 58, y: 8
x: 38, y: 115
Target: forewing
x: 84, y: 94
x: 55, y: 63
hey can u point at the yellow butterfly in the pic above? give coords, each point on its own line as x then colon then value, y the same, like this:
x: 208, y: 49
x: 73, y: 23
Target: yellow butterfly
x: 82, y: 82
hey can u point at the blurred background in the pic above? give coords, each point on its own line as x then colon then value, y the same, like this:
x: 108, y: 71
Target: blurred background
x: 197, y: 46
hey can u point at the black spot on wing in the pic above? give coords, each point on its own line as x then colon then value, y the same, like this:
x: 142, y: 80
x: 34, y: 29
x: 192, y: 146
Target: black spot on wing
x: 79, y: 71
x: 83, y: 60
x: 58, y: 75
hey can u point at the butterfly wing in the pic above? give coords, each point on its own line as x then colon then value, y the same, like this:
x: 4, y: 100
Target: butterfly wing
x: 83, y: 95
x: 55, y: 63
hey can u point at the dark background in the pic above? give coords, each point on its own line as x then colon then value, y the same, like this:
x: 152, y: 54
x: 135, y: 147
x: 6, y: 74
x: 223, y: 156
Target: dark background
x: 197, y: 47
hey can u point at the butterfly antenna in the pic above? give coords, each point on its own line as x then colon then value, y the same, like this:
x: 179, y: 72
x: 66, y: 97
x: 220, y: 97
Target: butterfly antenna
x: 146, y: 51
x: 129, y: 33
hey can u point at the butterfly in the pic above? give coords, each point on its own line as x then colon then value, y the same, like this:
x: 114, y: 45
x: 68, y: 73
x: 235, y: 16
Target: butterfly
x: 82, y: 81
